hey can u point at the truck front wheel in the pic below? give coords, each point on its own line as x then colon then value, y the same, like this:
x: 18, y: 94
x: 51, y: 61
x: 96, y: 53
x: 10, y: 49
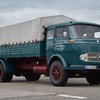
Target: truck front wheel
x: 58, y: 76
x: 93, y: 78
x: 5, y: 77
x: 32, y: 77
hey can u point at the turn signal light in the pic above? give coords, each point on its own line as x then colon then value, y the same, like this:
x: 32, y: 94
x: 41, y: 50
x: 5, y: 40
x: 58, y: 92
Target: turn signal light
x: 71, y: 41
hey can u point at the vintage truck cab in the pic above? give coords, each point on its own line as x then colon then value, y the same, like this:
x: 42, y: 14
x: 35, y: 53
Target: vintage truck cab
x: 73, y: 50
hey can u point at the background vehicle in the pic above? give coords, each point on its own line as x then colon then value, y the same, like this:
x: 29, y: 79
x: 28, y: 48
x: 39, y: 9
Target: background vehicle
x: 56, y: 46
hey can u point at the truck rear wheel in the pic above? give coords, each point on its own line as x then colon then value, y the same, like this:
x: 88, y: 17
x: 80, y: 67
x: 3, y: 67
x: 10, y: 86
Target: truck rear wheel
x: 32, y: 77
x: 5, y: 77
x: 93, y: 78
x: 58, y: 76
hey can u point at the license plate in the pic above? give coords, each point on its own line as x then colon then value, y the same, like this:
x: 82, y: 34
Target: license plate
x: 90, y: 67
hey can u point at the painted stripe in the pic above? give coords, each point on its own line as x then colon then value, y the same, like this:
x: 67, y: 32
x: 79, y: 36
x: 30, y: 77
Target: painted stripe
x: 69, y: 96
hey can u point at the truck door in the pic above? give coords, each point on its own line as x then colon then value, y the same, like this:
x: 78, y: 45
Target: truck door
x: 60, y: 39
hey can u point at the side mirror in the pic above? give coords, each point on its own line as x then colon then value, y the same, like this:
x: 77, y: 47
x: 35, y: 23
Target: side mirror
x: 84, y: 35
x: 65, y: 34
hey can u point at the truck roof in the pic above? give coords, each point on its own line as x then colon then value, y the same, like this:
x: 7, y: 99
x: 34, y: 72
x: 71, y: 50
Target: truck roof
x: 74, y: 23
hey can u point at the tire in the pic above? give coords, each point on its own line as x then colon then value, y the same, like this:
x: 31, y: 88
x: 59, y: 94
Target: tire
x: 93, y: 78
x: 5, y: 77
x: 58, y: 76
x: 32, y: 77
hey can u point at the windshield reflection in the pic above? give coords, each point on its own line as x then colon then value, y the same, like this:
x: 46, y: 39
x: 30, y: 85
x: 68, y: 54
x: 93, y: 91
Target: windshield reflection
x: 85, y: 31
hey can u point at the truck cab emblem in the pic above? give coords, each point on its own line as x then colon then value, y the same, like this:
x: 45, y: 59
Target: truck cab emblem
x: 98, y: 57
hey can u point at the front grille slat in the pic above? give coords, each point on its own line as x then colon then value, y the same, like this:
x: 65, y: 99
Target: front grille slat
x: 94, y: 57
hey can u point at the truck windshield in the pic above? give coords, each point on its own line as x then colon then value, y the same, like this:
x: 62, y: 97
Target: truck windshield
x: 85, y: 31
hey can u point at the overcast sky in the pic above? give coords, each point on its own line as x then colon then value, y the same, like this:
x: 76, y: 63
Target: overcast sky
x: 15, y: 11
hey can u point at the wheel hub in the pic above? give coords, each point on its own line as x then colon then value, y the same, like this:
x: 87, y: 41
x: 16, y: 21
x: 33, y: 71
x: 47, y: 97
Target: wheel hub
x: 56, y: 73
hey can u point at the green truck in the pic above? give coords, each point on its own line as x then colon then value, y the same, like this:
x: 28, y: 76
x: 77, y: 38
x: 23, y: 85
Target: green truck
x: 56, y: 46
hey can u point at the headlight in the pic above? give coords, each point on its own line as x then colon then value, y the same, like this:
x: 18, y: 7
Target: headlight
x: 84, y: 57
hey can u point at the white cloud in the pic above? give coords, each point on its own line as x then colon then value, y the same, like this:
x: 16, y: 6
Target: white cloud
x: 15, y: 11
x: 24, y: 15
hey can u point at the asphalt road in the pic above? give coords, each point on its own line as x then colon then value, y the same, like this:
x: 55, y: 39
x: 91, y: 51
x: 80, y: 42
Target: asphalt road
x: 75, y: 89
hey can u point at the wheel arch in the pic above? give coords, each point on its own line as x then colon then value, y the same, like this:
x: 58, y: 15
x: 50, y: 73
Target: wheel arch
x: 57, y: 57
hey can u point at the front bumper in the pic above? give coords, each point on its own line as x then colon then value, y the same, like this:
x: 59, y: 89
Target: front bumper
x: 84, y: 67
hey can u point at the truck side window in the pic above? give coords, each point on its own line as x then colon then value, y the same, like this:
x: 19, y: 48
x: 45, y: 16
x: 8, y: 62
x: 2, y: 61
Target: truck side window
x: 50, y: 34
x: 59, y: 32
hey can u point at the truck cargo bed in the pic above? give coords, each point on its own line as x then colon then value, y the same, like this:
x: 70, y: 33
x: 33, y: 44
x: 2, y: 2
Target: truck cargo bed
x: 30, y: 49
x: 29, y: 31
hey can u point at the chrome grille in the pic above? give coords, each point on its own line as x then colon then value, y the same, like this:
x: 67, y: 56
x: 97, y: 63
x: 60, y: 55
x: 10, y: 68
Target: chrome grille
x: 94, y: 57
